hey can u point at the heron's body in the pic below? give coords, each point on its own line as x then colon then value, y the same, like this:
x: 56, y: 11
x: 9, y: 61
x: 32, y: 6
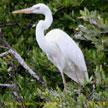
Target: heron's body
x: 60, y: 49
x: 66, y: 58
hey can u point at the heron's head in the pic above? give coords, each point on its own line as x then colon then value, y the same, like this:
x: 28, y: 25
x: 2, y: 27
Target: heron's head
x: 37, y: 9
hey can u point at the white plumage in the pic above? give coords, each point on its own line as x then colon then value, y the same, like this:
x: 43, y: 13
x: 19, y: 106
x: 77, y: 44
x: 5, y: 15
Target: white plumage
x: 69, y: 58
x: 60, y: 49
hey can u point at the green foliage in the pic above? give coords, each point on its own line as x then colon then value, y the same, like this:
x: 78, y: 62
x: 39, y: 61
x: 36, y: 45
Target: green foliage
x: 86, y: 22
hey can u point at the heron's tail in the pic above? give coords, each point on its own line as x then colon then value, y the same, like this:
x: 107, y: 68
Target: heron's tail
x: 78, y: 76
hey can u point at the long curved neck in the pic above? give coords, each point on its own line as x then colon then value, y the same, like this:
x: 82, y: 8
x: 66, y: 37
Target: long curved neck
x: 41, y: 27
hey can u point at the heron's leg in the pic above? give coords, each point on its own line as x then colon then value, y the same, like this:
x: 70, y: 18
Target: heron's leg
x: 64, y: 81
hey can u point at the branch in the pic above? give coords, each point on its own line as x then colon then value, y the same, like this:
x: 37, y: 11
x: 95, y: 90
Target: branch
x: 11, y: 24
x: 15, y: 93
x: 20, y: 59
x: 15, y: 90
x: 7, y: 85
x: 3, y: 47
x: 14, y: 24
x: 5, y: 53
x: 3, y: 40
x: 2, y: 104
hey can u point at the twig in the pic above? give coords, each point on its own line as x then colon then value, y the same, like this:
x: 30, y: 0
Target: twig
x: 3, y: 47
x: 2, y: 104
x: 11, y: 24
x: 14, y: 24
x: 5, y: 53
x: 3, y: 40
x: 15, y: 93
x: 60, y: 8
x: 7, y: 85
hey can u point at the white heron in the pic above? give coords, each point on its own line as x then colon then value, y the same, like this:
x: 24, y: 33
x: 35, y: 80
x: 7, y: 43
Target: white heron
x: 60, y: 49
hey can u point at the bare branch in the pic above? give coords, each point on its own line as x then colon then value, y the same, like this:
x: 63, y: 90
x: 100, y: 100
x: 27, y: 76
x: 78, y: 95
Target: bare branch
x: 5, y: 53
x: 20, y: 59
x: 15, y: 93
x: 11, y: 24
x: 14, y: 24
x: 16, y: 96
x: 7, y: 85
x: 3, y: 47
x: 3, y: 40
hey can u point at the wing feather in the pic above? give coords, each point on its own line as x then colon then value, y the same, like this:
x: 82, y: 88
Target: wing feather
x: 69, y: 48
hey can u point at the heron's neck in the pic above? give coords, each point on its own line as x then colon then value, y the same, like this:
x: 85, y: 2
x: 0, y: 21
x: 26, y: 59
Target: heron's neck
x: 41, y: 27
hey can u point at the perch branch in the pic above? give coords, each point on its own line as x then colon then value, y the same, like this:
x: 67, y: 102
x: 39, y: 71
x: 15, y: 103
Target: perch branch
x: 20, y: 59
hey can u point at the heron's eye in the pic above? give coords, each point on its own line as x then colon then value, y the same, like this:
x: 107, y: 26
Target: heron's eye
x: 37, y: 7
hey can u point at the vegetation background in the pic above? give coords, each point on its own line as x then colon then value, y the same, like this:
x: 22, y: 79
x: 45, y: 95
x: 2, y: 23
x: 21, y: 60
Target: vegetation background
x: 86, y: 21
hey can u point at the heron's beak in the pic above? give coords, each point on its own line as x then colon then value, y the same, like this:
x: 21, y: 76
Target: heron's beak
x: 27, y: 10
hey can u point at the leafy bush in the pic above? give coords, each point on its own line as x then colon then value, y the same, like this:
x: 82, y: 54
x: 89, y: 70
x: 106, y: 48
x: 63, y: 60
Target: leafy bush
x: 87, y: 23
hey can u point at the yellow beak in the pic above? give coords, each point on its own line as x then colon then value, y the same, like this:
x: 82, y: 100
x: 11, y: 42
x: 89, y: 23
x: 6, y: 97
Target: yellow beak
x: 27, y: 10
